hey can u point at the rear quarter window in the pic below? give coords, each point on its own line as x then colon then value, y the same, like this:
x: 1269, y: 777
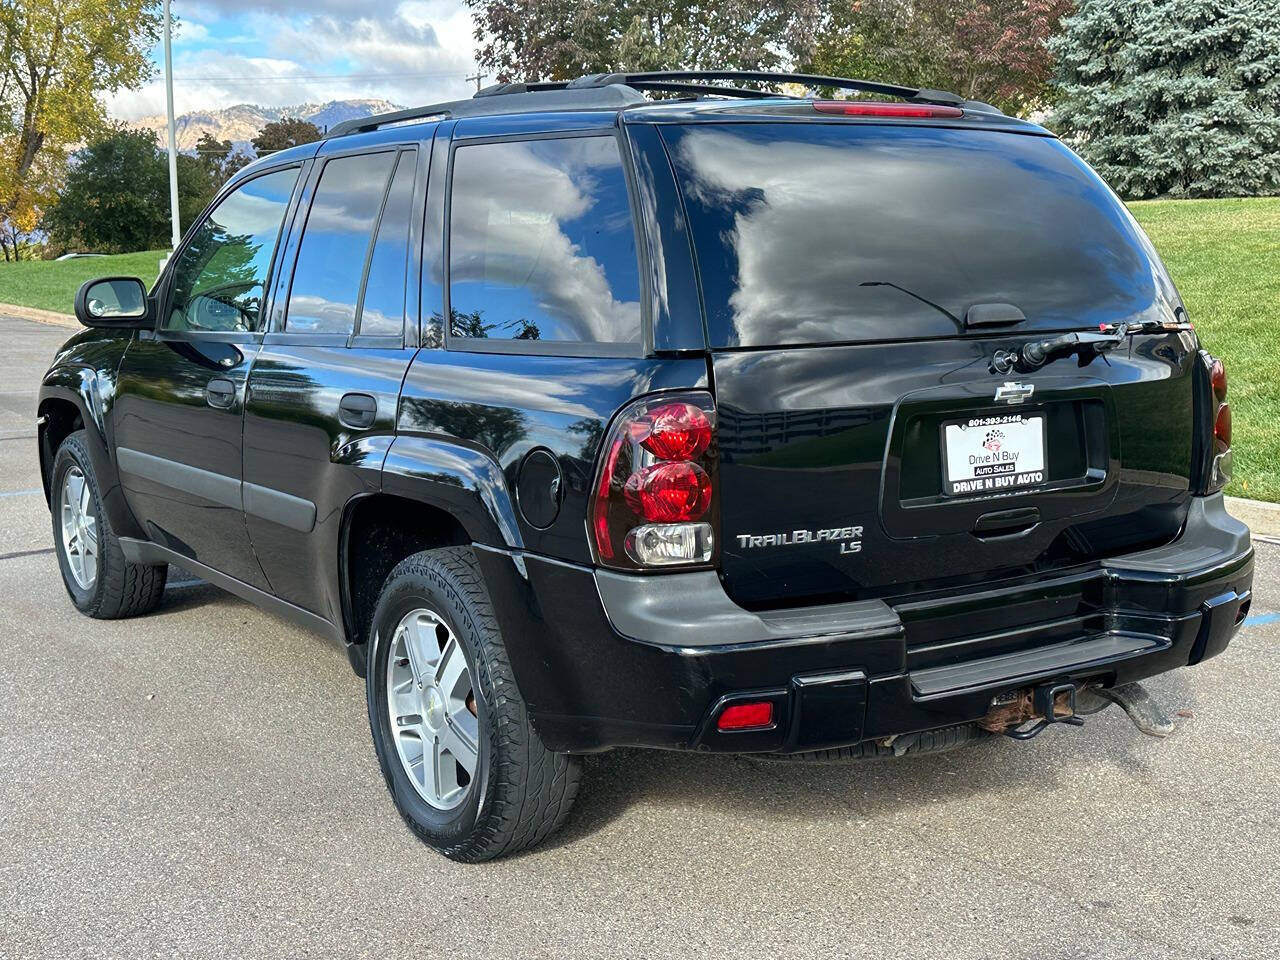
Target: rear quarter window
x: 820, y: 233
x: 542, y: 244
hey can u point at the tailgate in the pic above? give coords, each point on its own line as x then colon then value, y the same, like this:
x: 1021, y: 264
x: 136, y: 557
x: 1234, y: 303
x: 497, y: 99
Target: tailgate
x: 834, y: 483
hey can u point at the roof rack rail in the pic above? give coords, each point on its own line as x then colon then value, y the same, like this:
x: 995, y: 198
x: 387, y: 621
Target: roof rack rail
x: 675, y: 79
x: 499, y: 99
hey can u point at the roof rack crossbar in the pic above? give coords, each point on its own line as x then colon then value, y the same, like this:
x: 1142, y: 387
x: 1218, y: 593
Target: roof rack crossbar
x: 920, y: 94
x: 709, y: 89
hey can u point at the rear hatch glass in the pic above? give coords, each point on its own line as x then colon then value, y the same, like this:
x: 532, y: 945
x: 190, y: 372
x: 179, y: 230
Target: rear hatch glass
x: 812, y: 233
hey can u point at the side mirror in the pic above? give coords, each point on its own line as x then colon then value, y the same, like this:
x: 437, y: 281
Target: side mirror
x: 114, y: 302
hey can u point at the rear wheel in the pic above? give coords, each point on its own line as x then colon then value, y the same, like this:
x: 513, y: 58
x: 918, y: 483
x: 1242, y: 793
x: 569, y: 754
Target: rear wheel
x: 464, y: 766
x: 98, y: 578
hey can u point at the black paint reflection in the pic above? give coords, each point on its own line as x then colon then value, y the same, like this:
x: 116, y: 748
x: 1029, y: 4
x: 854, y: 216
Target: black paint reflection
x: 816, y: 233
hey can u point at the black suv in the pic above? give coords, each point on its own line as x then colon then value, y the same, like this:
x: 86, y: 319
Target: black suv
x: 723, y: 421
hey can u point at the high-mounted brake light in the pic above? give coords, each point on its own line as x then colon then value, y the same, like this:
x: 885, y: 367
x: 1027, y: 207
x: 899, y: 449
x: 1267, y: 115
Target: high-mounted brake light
x: 654, y: 499
x: 875, y: 108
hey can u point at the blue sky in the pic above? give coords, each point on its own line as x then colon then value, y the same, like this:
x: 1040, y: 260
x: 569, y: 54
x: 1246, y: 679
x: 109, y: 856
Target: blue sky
x: 241, y: 51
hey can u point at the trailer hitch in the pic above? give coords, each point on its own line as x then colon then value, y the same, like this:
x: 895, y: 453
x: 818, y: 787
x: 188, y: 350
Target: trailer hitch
x: 1051, y: 703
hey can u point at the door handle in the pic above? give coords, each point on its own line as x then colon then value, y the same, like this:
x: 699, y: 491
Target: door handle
x: 1006, y: 523
x: 357, y: 410
x: 220, y: 392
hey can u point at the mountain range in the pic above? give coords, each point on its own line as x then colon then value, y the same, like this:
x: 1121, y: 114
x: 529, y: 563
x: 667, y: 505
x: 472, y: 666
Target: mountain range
x: 241, y: 123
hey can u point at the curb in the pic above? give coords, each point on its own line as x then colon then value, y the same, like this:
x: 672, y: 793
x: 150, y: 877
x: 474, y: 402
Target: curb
x: 1262, y: 518
x: 39, y: 316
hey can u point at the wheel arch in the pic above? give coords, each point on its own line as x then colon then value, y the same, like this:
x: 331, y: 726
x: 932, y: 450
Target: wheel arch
x: 435, y: 492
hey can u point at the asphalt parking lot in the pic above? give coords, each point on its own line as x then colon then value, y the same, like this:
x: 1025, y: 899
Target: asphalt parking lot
x: 200, y: 783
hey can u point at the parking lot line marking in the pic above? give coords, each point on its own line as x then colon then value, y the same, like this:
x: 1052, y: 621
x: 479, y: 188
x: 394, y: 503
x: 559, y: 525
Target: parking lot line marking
x: 25, y: 553
x: 1261, y: 619
x: 20, y: 493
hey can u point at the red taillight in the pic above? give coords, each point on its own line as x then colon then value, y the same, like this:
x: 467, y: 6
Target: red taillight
x: 1222, y: 426
x: 873, y: 108
x: 1218, y: 379
x: 676, y: 431
x: 746, y: 716
x: 599, y: 518
x: 654, y: 497
x: 669, y: 492
x: 1220, y: 463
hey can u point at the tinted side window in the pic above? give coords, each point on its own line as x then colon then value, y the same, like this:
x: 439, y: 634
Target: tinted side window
x: 541, y: 243
x: 335, y: 244
x: 219, y: 276
x: 382, y: 311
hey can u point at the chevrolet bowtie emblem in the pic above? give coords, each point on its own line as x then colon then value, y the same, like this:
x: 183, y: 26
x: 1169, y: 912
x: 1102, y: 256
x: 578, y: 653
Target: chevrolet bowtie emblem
x: 1010, y: 392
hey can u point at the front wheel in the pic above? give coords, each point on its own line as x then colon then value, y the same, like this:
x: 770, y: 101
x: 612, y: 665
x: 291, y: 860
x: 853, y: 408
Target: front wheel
x: 464, y: 766
x: 98, y: 578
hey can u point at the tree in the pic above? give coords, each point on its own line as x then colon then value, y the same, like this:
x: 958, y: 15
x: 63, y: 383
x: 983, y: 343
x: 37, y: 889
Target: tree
x: 59, y: 58
x: 561, y: 39
x: 219, y: 158
x: 996, y: 51
x: 285, y: 133
x: 1174, y: 97
x: 116, y: 198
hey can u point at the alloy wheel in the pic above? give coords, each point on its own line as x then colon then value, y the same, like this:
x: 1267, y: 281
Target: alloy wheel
x: 79, y: 528
x: 432, y: 708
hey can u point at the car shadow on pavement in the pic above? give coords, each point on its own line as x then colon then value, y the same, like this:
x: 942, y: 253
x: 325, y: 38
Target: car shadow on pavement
x: 988, y: 772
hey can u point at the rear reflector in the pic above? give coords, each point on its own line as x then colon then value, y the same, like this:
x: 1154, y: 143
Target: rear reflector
x: 746, y: 716
x: 874, y: 108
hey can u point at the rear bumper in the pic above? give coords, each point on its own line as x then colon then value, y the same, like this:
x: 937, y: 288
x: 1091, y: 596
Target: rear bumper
x: 608, y: 660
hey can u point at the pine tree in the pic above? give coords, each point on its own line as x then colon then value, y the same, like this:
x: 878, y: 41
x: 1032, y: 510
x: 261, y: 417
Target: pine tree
x: 1173, y: 98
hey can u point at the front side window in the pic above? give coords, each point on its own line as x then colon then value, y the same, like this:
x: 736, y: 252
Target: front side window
x: 335, y: 244
x: 219, y: 277
x: 541, y: 243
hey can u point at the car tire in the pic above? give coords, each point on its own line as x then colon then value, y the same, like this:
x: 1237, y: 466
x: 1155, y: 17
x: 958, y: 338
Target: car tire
x: 98, y: 578
x: 433, y: 608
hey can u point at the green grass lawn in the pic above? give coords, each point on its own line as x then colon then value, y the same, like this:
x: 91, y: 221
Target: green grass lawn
x: 1224, y: 256
x: 50, y: 285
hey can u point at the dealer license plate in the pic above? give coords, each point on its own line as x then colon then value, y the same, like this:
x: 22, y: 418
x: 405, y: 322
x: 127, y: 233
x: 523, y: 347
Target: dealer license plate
x: 993, y: 454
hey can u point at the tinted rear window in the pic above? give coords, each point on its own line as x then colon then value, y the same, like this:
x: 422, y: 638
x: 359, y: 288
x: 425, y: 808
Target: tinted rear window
x: 818, y: 233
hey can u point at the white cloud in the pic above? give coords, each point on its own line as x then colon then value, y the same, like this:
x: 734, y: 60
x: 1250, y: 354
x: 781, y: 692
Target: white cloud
x: 412, y: 52
x: 189, y: 32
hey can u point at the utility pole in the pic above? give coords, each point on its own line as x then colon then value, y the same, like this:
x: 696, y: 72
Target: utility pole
x: 477, y: 78
x: 173, y: 126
